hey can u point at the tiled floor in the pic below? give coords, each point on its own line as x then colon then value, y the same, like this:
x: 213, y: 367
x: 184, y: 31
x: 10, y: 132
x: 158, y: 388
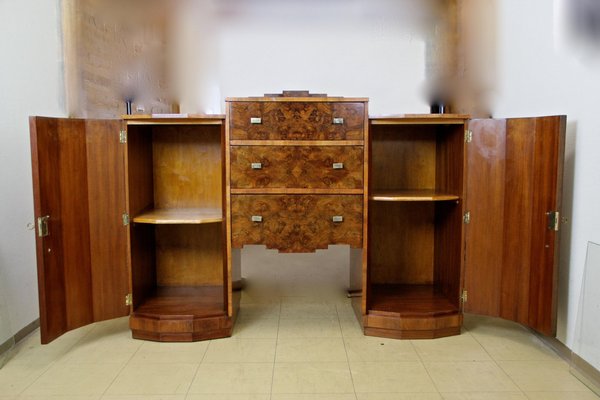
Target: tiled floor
x: 299, y: 342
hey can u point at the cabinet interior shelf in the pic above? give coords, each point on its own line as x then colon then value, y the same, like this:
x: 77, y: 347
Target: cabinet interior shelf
x: 400, y: 300
x: 180, y: 216
x: 412, y: 195
x: 196, y: 301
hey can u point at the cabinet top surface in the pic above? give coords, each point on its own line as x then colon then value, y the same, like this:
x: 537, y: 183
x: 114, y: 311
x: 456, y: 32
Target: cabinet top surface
x: 299, y: 99
x: 175, y: 119
x: 418, y: 118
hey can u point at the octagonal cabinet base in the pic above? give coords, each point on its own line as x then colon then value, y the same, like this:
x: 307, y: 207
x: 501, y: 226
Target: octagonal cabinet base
x: 185, y: 328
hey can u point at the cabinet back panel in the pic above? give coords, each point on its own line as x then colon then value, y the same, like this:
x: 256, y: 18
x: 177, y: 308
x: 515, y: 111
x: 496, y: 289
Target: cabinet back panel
x: 448, y: 250
x: 404, y: 157
x: 187, y: 166
x: 401, y: 238
x: 189, y: 255
x: 449, y: 159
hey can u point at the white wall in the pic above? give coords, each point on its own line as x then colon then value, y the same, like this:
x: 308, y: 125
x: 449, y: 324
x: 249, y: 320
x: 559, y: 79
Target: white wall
x: 31, y: 82
x: 537, y: 76
x: 357, y: 48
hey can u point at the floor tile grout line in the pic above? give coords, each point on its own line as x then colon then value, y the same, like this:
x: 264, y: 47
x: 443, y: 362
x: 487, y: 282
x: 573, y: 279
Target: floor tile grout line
x: 346, y: 351
x: 275, y: 353
x: 187, y: 393
x: 496, y: 363
x: 121, y: 369
x: 412, y: 344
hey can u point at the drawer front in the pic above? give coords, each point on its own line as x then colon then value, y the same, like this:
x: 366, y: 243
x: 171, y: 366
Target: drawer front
x: 310, y: 167
x: 296, y: 223
x: 297, y: 121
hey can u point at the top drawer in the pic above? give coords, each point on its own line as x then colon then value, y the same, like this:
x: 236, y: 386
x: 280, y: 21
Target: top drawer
x: 297, y: 121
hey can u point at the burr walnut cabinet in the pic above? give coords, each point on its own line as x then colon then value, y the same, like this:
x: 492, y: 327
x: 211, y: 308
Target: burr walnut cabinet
x: 146, y: 216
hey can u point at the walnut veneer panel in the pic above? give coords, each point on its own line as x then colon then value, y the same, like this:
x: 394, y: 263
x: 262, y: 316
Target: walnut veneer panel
x: 297, y: 121
x: 296, y: 223
x: 308, y: 167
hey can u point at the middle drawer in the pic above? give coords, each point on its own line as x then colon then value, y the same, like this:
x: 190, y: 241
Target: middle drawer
x: 305, y: 167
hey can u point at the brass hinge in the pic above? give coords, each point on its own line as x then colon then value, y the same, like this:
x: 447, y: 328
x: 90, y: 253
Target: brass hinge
x: 125, y: 219
x: 553, y: 220
x: 123, y: 136
x: 463, y: 296
x: 42, y: 226
x: 467, y: 217
x: 128, y: 299
x: 468, y: 136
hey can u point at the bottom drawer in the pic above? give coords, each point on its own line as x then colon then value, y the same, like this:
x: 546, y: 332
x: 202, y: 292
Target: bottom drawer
x: 296, y: 223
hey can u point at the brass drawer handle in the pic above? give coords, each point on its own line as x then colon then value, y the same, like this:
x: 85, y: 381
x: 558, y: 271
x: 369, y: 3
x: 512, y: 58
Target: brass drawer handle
x: 337, y: 218
x: 256, y: 121
x: 256, y: 218
x: 338, y: 121
x: 256, y: 165
x: 338, y: 165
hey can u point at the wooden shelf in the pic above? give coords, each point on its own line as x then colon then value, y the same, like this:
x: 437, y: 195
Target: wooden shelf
x: 411, y: 195
x: 180, y: 216
x: 409, y: 301
x: 186, y: 301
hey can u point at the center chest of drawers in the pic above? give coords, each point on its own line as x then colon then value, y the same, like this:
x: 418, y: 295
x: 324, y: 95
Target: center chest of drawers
x: 296, y: 172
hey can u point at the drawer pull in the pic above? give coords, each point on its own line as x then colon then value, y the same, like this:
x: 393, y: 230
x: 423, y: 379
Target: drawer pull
x: 256, y: 218
x: 256, y: 120
x: 337, y: 218
x: 338, y: 165
x: 256, y: 165
x: 338, y: 121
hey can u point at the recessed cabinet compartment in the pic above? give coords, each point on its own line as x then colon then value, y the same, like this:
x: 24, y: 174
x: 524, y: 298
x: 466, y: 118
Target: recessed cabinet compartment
x: 178, y: 268
x: 415, y: 229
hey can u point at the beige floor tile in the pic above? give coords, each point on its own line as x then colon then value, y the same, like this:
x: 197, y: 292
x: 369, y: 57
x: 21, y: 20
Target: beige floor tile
x: 145, y: 397
x: 31, y: 351
x: 398, y: 396
x: 307, y: 310
x: 313, y: 396
x: 182, y: 353
x: 15, y: 378
x: 367, y: 348
x: 310, y: 328
x: 147, y: 379
x: 537, y: 376
x: 311, y: 350
x: 256, y: 328
x: 588, y: 395
x: 345, y: 310
x: 260, y: 310
x: 213, y: 396
x: 241, y: 350
x: 484, y: 396
x: 481, y: 325
x: 59, y: 397
x: 469, y: 376
x: 454, y: 348
x: 224, y: 378
x: 390, y: 377
x: 351, y: 328
x: 102, y: 351
x: 74, y: 380
x: 516, y: 347
x: 301, y: 378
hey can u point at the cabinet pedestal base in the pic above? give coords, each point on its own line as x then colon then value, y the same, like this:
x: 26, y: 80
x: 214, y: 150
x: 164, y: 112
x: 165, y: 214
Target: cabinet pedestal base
x: 180, y: 328
x: 412, y: 327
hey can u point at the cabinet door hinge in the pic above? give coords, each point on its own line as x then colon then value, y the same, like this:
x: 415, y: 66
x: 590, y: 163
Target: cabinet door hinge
x: 123, y: 136
x: 128, y: 299
x: 125, y: 219
x: 468, y: 136
x: 553, y: 220
x: 463, y: 296
x: 42, y: 226
x: 467, y: 217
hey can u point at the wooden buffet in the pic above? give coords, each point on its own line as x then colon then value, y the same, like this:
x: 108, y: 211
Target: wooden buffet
x: 146, y: 216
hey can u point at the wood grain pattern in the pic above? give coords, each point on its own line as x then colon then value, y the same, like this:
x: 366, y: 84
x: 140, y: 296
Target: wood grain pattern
x: 180, y: 216
x: 485, y: 200
x: 297, y: 224
x: 296, y: 121
x: 189, y: 255
x: 296, y: 167
x: 108, y: 237
x: 410, y: 300
x: 403, y: 157
x: 187, y: 166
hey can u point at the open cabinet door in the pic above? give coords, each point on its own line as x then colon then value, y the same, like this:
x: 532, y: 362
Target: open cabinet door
x: 81, y: 243
x: 514, y: 188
